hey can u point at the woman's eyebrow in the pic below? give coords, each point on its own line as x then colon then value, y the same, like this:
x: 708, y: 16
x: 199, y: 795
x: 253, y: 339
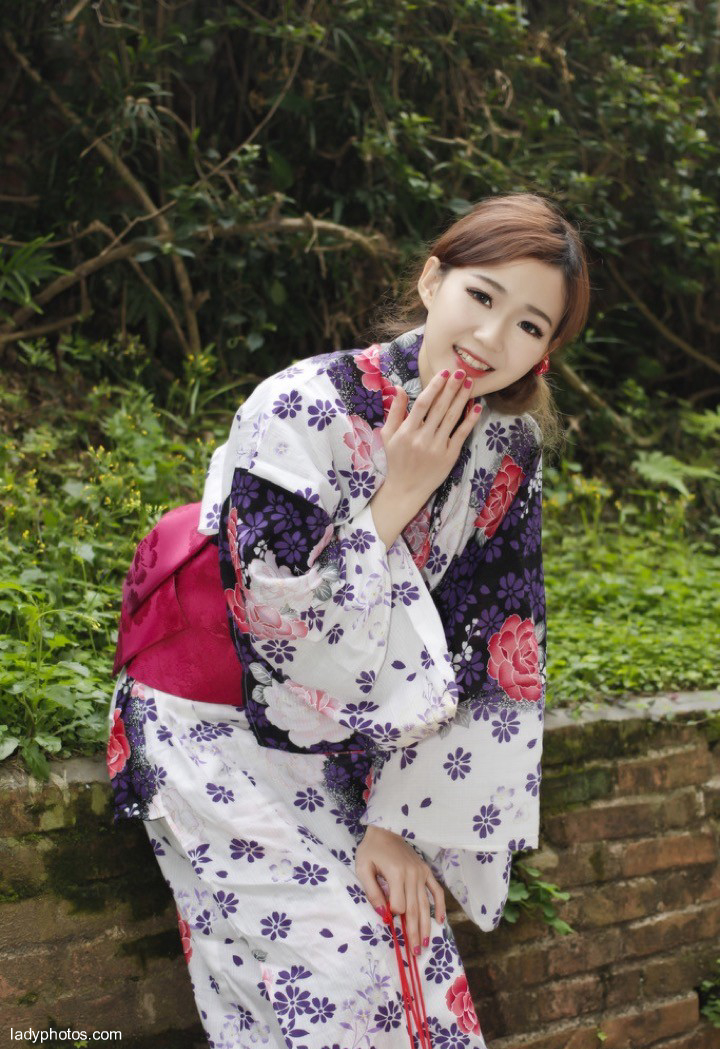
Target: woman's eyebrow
x: 499, y: 287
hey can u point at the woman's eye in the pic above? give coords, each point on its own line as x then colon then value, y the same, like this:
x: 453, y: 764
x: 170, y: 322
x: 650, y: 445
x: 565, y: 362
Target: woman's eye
x: 532, y: 329
x: 481, y: 296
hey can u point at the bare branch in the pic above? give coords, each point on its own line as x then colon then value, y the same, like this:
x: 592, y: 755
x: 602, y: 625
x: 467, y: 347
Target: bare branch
x: 11, y: 198
x: 374, y: 244
x: 573, y: 380
x: 57, y: 287
x: 75, y: 11
x: 666, y: 332
x: 42, y: 329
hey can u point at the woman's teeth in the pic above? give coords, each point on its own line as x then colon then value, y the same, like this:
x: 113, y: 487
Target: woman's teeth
x: 472, y: 361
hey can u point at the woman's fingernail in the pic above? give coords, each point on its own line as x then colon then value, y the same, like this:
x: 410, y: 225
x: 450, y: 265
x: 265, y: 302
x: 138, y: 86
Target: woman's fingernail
x: 477, y: 409
x: 445, y: 374
x: 426, y: 941
x: 416, y: 950
x: 467, y: 384
x: 441, y: 919
x: 380, y: 911
x: 459, y: 374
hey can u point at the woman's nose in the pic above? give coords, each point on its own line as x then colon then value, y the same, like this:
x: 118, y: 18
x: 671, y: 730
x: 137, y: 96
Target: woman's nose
x: 490, y: 335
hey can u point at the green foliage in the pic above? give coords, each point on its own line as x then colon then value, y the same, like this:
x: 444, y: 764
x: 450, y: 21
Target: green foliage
x: 78, y: 488
x: 391, y: 118
x: 633, y: 598
x: 24, y: 269
x: 710, y: 997
x: 240, y: 120
x: 530, y: 894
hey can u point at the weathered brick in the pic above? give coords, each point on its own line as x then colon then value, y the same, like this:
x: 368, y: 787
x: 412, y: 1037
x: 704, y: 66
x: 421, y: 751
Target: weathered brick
x: 46, y: 919
x: 593, y: 741
x: 612, y: 903
x: 672, y: 850
x: 664, y: 771
x: 649, y: 1024
x: 665, y: 932
x: 712, y: 797
x: 583, y: 863
x: 22, y: 868
x: 704, y: 1037
x: 625, y: 818
x: 583, y: 784
x: 578, y: 1036
x: 559, y: 957
x: 528, y: 1009
x: 163, y: 1002
x: 663, y: 977
x: 472, y: 943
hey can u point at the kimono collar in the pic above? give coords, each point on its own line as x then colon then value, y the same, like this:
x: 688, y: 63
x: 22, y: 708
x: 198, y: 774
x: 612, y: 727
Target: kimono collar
x: 398, y: 361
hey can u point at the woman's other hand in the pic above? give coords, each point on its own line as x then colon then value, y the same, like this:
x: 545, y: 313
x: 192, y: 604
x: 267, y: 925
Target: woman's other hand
x: 411, y: 883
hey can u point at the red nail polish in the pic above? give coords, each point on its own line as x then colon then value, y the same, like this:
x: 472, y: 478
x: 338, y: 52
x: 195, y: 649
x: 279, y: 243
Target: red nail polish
x: 426, y: 941
x: 381, y: 912
x: 445, y: 374
x: 459, y: 374
x: 477, y: 409
x: 467, y: 384
x: 416, y: 950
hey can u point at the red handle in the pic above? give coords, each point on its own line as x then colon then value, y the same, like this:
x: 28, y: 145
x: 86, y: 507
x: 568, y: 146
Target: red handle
x: 413, y: 1000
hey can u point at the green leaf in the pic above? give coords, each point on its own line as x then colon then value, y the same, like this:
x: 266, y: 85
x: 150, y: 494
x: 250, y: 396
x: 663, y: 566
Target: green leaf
x: 8, y: 745
x: 35, y: 760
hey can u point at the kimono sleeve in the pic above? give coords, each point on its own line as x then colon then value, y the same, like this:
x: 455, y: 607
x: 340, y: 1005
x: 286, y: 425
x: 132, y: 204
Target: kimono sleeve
x: 344, y: 624
x: 474, y: 785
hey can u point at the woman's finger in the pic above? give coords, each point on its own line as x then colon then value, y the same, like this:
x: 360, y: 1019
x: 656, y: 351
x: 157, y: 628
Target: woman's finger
x: 412, y: 914
x: 472, y: 414
x: 395, y: 415
x: 367, y: 875
x: 453, y: 395
x: 438, y: 896
x: 425, y: 400
x: 424, y: 903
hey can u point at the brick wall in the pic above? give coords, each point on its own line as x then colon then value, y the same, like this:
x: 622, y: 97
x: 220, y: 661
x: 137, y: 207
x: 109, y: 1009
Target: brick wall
x: 630, y: 827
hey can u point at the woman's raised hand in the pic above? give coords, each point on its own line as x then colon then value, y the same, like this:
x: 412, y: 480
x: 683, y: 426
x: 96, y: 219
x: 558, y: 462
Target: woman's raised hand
x: 418, y: 445
x: 419, y: 450
x: 409, y: 880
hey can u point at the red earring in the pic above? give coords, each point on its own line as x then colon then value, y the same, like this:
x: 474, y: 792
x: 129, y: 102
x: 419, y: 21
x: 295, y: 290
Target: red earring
x: 542, y: 366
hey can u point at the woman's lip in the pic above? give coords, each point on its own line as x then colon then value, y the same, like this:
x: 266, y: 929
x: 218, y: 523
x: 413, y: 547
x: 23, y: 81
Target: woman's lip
x: 469, y: 367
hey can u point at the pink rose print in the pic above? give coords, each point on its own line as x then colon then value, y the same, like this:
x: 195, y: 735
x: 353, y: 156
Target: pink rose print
x: 416, y: 534
x: 320, y: 545
x: 461, y: 1006
x: 185, y: 936
x: 514, y: 660
x: 261, y: 620
x: 503, y: 491
x: 313, y: 697
x: 364, y: 442
x: 373, y: 378
x: 118, y: 748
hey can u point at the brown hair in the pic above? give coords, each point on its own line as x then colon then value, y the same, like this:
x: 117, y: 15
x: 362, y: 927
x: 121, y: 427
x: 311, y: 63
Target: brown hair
x: 506, y: 229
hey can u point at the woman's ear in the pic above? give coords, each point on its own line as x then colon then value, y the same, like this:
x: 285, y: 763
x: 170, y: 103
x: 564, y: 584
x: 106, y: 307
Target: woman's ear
x: 429, y: 280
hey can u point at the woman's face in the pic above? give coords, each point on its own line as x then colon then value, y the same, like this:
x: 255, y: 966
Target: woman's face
x: 501, y: 316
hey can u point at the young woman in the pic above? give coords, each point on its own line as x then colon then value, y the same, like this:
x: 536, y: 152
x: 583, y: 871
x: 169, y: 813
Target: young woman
x: 377, y: 515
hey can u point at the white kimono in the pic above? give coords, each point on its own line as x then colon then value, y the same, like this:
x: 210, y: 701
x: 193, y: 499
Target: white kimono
x: 418, y: 670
